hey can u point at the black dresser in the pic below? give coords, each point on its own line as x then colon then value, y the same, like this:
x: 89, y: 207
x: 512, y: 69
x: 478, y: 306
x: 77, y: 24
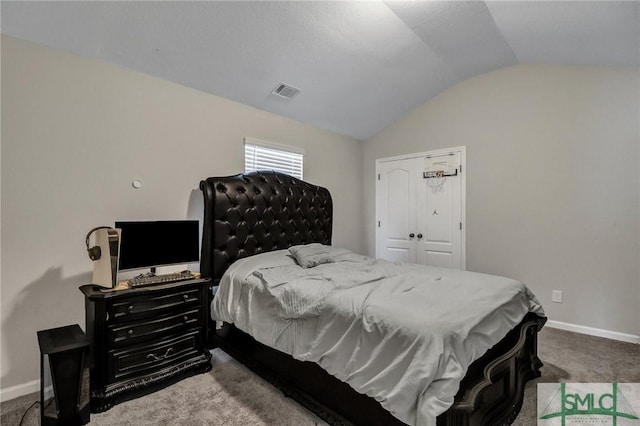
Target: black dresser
x: 145, y: 338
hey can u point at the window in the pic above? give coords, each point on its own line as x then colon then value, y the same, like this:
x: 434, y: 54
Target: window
x: 259, y: 155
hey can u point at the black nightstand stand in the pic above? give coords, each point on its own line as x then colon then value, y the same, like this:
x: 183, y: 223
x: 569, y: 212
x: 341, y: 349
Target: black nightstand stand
x: 144, y: 339
x: 65, y: 351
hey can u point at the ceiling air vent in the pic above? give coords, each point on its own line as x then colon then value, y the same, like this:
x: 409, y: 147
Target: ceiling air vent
x: 285, y: 91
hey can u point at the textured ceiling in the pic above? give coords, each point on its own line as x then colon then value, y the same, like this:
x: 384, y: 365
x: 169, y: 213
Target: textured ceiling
x: 360, y: 65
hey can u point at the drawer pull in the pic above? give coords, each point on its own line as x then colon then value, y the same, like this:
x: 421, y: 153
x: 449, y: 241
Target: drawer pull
x: 186, y: 318
x: 186, y: 297
x: 130, y: 332
x: 158, y: 358
x: 131, y: 307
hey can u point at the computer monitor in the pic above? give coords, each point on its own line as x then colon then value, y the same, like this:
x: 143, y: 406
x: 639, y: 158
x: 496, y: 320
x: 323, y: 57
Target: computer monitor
x: 150, y: 244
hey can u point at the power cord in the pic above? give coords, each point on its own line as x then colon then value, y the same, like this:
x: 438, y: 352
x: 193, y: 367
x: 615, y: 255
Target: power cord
x: 27, y: 410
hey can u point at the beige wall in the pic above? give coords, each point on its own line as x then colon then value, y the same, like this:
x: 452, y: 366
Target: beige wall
x: 552, y: 182
x: 76, y: 133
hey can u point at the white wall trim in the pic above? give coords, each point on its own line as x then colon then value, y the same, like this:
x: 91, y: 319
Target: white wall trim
x: 598, y: 332
x: 19, y: 390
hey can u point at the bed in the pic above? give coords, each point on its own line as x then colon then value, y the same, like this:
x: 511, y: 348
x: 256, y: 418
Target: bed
x: 267, y: 212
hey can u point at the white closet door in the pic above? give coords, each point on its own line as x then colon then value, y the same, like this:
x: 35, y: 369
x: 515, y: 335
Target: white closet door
x: 439, y: 218
x: 396, y: 206
x: 420, y: 220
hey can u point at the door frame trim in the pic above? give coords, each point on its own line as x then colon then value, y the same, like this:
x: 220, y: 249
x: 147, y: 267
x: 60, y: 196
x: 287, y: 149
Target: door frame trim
x: 463, y: 193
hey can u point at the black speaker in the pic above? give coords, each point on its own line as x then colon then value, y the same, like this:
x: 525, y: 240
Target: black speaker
x: 64, y: 376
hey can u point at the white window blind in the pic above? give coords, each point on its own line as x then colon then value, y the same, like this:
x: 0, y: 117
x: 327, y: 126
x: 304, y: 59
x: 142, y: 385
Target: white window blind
x: 259, y: 155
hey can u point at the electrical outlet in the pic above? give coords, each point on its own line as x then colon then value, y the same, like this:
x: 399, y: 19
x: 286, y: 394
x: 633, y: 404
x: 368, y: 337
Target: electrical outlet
x: 556, y: 296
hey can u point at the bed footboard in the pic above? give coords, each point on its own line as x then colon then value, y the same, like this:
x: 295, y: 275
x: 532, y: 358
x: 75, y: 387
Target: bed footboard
x: 492, y: 391
x: 490, y: 394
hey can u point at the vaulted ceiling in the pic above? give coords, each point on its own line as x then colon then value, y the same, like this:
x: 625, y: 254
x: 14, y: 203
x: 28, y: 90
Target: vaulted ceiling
x: 360, y: 65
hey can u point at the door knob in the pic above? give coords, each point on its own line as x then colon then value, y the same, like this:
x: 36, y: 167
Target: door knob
x: 411, y: 235
x: 419, y: 235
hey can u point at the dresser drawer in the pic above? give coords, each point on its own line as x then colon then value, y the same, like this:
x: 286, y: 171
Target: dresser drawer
x: 140, y: 331
x: 150, y: 305
x: 148, y: 359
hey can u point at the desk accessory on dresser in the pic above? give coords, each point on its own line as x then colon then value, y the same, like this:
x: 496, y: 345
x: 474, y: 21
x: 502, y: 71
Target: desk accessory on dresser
x: 149, y: 244
x: 148, y: 279
x: 105, y: 255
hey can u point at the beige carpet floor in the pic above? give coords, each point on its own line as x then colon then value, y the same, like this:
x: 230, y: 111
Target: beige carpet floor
x: 231, y: 395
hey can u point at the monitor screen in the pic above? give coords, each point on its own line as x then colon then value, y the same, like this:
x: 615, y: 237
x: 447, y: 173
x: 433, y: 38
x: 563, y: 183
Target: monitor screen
x: 159, y: 243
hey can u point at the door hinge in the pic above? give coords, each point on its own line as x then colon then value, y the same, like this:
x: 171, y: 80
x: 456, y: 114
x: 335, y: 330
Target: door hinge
x: 461, y: 226
x: 378, y: 224
x: 378, y: 176
x: 460, y: 168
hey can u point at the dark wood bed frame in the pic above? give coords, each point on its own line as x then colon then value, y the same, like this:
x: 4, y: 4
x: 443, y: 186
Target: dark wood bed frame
x: 258, y: 212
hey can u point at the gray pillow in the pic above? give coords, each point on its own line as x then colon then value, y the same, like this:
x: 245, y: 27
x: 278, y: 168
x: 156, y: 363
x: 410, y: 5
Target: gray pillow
x: 314, y: 254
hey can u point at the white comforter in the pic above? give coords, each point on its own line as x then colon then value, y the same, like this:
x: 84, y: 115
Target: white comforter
x: 403, y: 334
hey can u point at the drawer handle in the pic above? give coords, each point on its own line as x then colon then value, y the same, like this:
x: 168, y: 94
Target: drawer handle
x: 131, y: 307
x: 161, y: 357
x: 186, y: 297
x: 130, y: 332
x: 186, y: 318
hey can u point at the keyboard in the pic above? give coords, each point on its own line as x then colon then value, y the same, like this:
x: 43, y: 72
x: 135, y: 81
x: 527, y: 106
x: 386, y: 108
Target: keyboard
x: 152, y: 279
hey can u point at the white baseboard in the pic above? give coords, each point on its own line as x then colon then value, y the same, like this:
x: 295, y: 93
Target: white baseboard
x: 19, y: 390
x: 598, y: 332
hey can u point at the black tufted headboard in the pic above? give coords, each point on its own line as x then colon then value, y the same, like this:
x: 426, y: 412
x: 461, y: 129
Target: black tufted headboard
x: 257, y: 212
